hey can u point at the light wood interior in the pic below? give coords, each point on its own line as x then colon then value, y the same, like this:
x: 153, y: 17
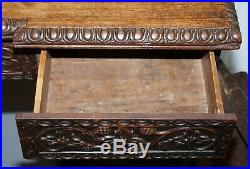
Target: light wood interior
x: 42, y: 82
x: 178, y: 14
x: 117, y: 82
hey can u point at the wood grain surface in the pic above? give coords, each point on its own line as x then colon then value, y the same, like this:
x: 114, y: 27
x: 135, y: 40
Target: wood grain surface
x: 202, y: 15
x: 126, y: 86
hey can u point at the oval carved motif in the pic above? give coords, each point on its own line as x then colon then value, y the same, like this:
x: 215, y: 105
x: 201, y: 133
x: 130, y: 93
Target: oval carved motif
x: 63, y: 139
x: 86, y: 35
x: 198, y: 138
x: 35, y: 35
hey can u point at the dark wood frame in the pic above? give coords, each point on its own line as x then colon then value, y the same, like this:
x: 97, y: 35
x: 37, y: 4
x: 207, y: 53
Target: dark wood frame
x: 76, y: 136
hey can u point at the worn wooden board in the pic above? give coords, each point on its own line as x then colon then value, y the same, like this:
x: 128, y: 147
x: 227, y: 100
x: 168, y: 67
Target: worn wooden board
x: 126, y: 86
x: 205, y: 15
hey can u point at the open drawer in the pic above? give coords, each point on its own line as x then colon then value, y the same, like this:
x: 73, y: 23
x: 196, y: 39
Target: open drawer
x: 168, y: 100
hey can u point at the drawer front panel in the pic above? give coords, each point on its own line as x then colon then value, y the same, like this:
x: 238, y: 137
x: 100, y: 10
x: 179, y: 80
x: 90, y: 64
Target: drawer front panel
x: 82, y: 138
x: 64, y: 126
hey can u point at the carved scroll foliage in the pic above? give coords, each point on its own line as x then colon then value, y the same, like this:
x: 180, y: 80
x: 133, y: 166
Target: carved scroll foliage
x: 62, y: 139
x: 16, y: 66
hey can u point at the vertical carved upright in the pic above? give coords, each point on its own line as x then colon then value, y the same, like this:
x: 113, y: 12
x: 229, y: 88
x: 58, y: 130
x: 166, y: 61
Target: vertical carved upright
x: 15, y: 66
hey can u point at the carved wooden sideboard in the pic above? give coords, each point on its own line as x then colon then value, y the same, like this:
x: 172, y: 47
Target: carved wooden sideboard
x: 142, y: 72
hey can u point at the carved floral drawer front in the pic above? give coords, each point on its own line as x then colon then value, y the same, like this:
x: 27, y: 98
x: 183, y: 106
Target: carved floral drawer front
x: 82, y: 139
x: 75, y: 114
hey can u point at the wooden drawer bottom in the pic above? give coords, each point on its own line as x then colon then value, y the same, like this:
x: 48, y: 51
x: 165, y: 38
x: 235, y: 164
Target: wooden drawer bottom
x: 172, y: 103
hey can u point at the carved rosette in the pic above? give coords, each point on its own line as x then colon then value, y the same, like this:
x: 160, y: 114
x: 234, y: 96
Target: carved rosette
x: 9, y: 26
x: 127, y: 36
x: 81, y: 139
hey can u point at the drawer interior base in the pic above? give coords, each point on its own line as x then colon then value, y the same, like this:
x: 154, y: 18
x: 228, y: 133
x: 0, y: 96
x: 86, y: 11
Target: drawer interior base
x: 126, y: 85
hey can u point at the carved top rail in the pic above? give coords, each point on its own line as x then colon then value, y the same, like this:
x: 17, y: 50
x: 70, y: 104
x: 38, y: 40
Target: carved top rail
x: 197, y: 26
